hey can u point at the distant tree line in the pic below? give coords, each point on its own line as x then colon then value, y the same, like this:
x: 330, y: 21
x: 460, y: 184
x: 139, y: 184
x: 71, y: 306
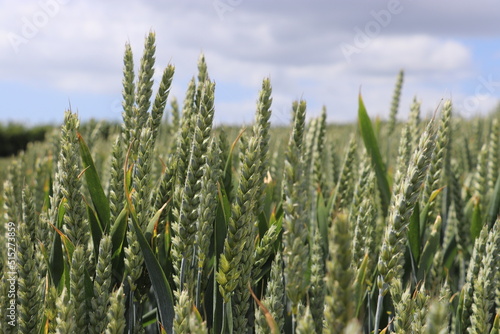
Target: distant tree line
x: 14, y: 137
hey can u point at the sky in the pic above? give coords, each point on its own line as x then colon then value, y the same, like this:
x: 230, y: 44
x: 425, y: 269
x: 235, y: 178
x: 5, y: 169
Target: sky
x: 60, y: 54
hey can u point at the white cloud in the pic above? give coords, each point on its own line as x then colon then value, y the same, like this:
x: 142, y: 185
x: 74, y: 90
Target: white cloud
x: 420, y: 53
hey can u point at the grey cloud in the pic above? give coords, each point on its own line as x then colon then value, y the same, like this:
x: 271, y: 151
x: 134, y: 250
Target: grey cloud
x: 293, y: 41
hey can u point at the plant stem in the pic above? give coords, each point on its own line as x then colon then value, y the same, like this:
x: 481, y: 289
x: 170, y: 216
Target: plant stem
x: 378, y: 313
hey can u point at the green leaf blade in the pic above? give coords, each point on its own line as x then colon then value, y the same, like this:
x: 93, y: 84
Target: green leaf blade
x: 99, y: 199
x: 161, y: 287
x: 414, y: 233
x: 372, y: 147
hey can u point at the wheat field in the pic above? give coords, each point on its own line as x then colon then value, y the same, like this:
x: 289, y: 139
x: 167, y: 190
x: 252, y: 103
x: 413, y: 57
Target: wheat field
x: 168, y: 224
